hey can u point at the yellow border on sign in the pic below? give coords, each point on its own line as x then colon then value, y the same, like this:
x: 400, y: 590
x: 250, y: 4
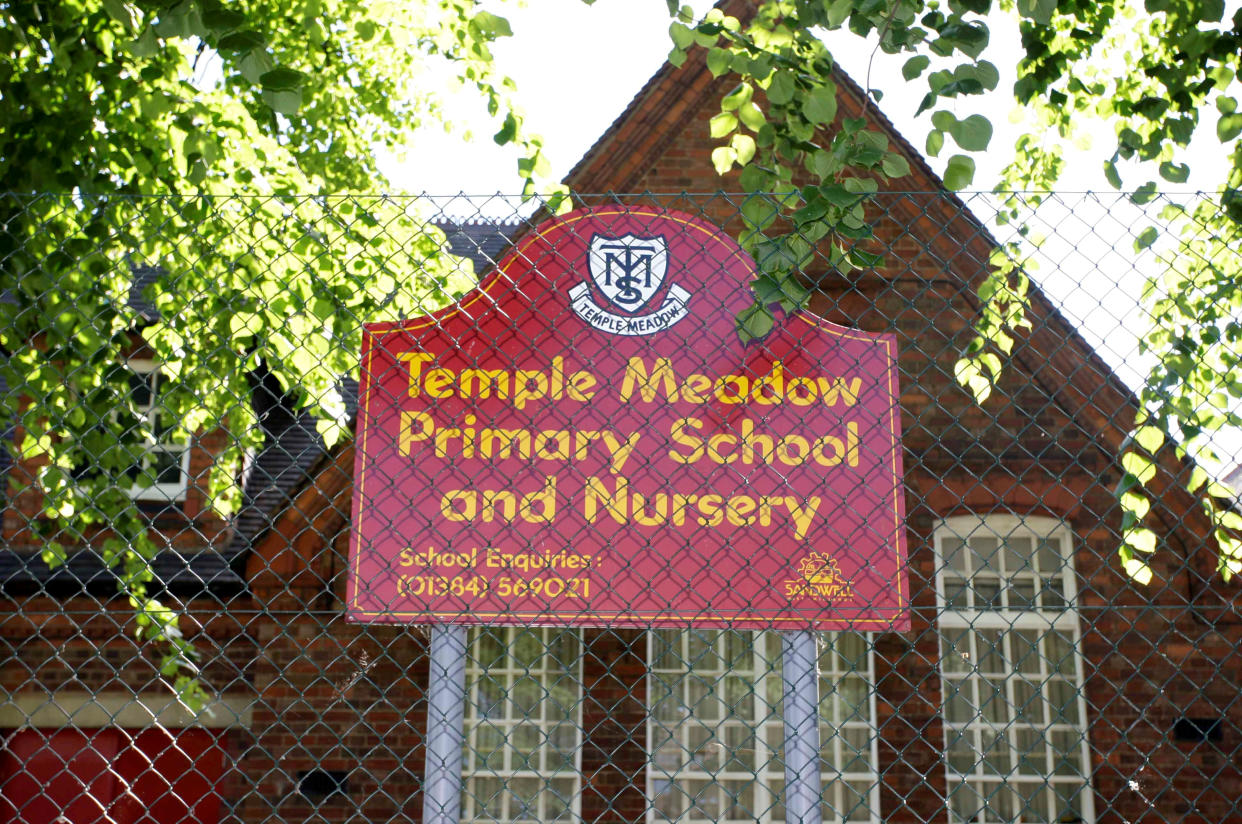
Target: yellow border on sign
x: 372, y: 332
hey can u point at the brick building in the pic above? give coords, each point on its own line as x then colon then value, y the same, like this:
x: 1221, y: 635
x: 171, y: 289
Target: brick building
x: 1037, y: 683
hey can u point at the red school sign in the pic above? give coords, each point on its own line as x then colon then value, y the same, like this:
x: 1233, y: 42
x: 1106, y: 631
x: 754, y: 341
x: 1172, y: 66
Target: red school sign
x: 584, y: 440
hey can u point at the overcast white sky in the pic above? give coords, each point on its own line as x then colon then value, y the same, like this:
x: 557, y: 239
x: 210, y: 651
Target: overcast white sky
x: 577, y: 66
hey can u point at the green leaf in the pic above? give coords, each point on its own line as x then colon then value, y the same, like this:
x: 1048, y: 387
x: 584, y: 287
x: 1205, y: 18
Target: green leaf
x: 1139, y: 466
x: 838, y: 12
x: 490, y: 24
x: 895, y: 165
x: 751, y: 116
x: 1138, y: 571
x: 838, y: 195
x: 1140, y: 539
x: 254, y: 64
x: 758, y: 212
x: 281, y: 80
x: 744, y: 147
x: 1111, y: 174
x: 1040, y: 11
x: 1175, y: 172
x: 1150, y: 438
x: 286, y: 102
x: 723, y: 158
x: 984, y: 71
x: 508, y: 130
x: 1144, y: 194
x: 944, y: 121
x: 974, y: 133
x: 1228, y: 127
x: 181, y: 21
x: 754, y: 179
x: 863, y: 259
x: 820, y: 106
x: 935, y: 142
x: 240, y: 41
x: 754, y: 322
x: 1145, y: 238
x: 718, y: 61
x: 969, y: 38
x: 222, y: 19
x: 781, y: 88
x: 971, y: 377
x: 1135, y: 503
x: 915, y: 66
x: 959, y: 173
x: 860, y: 185
x: 683, y: 36
x: 1211, y: 11
x: 722, y: 124
x: 737, y: 98
x: 145, y: 44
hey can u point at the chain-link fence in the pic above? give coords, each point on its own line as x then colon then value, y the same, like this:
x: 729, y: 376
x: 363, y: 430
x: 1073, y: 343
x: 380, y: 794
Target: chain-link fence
x: 1036, y: 681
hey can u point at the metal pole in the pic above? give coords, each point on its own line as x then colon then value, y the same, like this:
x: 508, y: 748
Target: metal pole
x: 446, y: 709
x: 800, y: 665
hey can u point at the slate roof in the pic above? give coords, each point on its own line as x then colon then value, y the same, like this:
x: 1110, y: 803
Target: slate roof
x: 292, y: 447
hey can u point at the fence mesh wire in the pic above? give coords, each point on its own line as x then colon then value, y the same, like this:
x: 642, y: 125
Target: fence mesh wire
x: 1037, y: 684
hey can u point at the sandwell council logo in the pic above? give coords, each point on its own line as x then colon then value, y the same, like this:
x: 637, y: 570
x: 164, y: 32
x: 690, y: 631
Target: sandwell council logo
x: 628, y: 273
x: 819, y: 577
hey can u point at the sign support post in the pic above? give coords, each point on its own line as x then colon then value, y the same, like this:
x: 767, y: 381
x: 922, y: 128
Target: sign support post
x: 799, y: 665
x: 446, y: 708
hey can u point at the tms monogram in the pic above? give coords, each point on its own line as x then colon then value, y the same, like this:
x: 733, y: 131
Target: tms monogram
x: 628, y: 272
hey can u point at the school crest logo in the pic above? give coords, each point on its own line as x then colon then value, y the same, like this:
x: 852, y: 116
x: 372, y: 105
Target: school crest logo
x: 628, y: 272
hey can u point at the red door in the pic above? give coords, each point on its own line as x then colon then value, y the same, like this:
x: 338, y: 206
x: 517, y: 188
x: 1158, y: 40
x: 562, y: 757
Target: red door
x: 110, y: 776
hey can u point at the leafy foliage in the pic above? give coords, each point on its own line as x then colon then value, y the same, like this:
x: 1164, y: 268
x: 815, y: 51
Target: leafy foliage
x: 1152, y: 70
x: 116, y: 104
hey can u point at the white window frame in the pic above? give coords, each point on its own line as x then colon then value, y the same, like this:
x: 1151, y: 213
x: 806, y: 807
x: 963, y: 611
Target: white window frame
x: 160, y: 492
x: 765, y: 693
x: 472, y: 809
x: 1065, y: 621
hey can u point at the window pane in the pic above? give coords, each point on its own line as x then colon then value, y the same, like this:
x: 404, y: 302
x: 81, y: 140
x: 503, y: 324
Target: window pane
x: 987, y: 593
x: 165, y: 467
x: 1022, y: 594
x: 523, y: 726
x: 954, y: 550
x: 720, y: 753
x: 986, y: 554
x: 1049, y: 556
x: 1012, y: 704
x: 991, y: 652
x: 955, y: 650
x: 142, y: 388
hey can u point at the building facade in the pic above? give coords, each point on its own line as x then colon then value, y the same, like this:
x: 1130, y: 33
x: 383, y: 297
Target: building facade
x: 1037, y: 683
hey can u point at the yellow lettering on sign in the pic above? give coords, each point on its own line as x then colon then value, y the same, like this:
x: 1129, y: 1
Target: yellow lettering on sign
x: 624, y: 505
x: 661, y: 383
x: 521, y: 386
